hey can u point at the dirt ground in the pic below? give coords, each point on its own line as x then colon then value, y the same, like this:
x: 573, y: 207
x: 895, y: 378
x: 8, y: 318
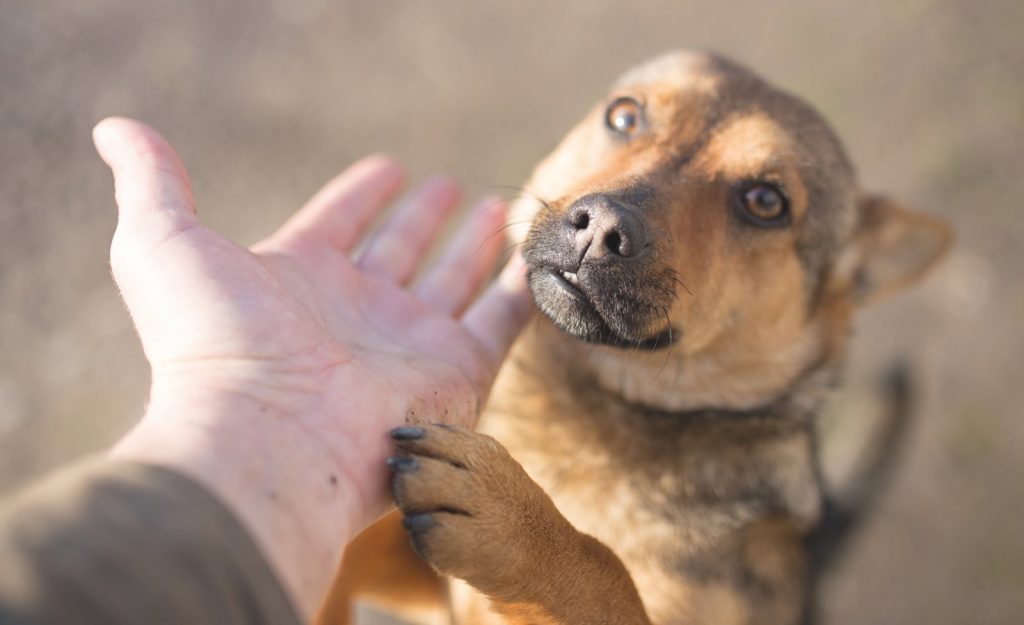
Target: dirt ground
x: 266, y: 99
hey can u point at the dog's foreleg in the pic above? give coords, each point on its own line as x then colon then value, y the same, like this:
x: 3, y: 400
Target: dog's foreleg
x: 473, y: 513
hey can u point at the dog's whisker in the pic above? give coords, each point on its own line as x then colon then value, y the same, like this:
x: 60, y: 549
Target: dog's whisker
x: 668, y: 349
x: 508, y: 248
x: 523, y: 192
x: 678, y: 280
x: 497, y: 232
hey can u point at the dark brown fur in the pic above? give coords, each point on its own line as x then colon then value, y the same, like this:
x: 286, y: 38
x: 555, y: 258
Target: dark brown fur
x: 665, y: 459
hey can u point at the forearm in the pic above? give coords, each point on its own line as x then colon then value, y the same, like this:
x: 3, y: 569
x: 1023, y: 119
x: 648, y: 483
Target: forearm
x: 114, y: 542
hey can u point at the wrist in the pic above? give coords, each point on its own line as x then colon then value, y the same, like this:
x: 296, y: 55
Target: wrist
x: 301, y: 493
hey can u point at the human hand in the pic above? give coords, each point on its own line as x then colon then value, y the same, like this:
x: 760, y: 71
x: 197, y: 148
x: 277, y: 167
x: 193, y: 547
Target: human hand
x: 278, y: 370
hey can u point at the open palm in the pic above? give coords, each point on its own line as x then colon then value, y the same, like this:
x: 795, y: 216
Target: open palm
x: 287, y: 320
x: 307, y: 343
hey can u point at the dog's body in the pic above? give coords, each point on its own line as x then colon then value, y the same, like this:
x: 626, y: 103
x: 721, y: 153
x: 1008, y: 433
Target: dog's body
x: 698, y: 253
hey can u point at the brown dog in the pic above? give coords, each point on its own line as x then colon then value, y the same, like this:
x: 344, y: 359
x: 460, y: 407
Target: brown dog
x: 697, y: 259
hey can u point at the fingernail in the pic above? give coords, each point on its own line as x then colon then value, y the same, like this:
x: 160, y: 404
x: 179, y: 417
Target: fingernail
x: 407, y: 433
x: 403, y: 464
x: 418, y: 522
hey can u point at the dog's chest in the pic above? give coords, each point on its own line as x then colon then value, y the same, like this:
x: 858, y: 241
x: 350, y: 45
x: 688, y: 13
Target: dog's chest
x: 674, y: 505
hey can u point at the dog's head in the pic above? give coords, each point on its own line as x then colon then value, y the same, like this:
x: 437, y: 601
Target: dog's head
x: 704, y: 215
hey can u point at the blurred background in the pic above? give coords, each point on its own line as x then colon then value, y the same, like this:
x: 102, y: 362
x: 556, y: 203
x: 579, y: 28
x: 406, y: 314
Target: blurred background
x: 267, y: 99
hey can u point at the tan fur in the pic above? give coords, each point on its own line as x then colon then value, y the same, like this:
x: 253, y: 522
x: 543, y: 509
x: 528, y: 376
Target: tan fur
x: 377, y: 563
x: 673, y: 485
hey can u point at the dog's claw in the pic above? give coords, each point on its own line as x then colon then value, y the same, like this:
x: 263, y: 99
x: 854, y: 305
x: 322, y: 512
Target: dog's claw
x: 418, y: 522
x: 407, y: 433
x: 403, y: 464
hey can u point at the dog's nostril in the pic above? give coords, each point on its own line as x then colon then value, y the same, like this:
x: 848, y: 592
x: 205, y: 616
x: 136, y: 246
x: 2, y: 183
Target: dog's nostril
x: 614, y: 243
x: 581, y: 220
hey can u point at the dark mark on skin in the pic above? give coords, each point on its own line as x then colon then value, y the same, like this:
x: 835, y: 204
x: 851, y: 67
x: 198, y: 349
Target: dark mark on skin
x: 333, y: 480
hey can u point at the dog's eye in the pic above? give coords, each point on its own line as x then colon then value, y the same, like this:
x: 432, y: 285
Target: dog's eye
x: 765, y: 204
x: 624, y: 116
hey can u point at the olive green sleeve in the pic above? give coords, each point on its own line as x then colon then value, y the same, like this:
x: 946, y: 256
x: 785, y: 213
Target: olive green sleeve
x: 117, y: 542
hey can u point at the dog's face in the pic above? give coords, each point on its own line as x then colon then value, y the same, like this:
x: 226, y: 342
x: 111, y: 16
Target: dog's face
x: 701, y: 213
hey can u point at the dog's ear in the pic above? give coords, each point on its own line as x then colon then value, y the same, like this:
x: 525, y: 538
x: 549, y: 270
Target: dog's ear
x: 893, y: 247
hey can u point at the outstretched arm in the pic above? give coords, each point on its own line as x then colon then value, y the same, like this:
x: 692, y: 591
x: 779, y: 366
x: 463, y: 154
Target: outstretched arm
x: 278, y: 370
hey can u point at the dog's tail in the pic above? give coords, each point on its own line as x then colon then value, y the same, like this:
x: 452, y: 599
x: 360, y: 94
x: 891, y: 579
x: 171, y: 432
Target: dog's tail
x: 849, y: 504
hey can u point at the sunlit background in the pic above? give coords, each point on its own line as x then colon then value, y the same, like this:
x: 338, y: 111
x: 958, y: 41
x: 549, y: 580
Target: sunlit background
x: 267, y: 99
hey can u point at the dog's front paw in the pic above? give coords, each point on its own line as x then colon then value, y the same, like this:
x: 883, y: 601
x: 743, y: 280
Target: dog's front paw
x: 470, y: 509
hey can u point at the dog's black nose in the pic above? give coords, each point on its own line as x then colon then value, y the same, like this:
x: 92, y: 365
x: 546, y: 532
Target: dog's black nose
x: 603, y: 227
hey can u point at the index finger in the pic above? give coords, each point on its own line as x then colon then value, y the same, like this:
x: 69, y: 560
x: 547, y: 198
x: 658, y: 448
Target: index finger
x: 341, y: 210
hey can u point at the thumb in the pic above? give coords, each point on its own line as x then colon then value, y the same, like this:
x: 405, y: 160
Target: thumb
x: 151, y: 187
x: 154, y: 202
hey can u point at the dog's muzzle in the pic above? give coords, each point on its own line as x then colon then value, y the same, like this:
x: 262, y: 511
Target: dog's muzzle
x: 593, y: 273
